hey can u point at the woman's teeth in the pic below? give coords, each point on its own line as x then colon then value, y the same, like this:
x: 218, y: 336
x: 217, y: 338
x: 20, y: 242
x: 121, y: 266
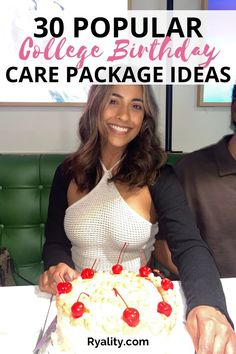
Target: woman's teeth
x: 119, y: 129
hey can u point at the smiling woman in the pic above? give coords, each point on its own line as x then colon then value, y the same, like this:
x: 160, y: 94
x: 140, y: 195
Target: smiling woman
x: 115, y: 190
x: 122, y: 119
x: 109, y: 110
x: 117, y: 161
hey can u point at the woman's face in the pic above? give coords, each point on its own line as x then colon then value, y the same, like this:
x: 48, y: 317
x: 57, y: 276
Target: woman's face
x: 123, y: 115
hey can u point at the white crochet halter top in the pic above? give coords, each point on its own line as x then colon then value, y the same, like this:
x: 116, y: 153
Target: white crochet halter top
x: 99, y: 224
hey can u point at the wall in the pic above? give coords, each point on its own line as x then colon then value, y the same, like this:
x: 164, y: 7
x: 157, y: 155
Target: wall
x: 42, y: 130
x: 194, y: 127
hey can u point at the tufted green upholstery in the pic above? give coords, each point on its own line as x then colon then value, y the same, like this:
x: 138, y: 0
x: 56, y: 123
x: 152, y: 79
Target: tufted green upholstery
x: 25, y: 182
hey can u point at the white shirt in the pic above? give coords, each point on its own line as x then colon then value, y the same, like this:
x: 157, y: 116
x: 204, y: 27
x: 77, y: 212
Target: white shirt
x: 101, y: 222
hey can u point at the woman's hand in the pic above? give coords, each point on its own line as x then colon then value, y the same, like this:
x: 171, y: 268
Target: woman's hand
x: 50, y: 278
x: 210, y: 331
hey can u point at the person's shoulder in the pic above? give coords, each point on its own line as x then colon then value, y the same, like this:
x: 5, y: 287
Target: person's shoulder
x: 165, y: 170
x: 165, y: 174
x: 62, y: 175
x: 166, y: 187
x: 199, y: 154
x: 59, y: 171
x: 197, y: 158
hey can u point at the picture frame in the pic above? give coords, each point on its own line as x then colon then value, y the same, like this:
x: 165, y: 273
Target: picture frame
x: 54, y: 99
x: 215, y: 95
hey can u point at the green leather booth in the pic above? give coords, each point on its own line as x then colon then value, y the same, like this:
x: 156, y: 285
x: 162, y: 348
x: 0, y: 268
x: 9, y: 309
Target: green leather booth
x: 25, y: 182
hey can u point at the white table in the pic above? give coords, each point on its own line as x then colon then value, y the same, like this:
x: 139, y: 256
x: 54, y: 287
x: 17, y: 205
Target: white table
x: 24, y: 308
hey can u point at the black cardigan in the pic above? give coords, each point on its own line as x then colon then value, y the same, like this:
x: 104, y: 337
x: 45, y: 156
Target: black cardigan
x: 198, y: 273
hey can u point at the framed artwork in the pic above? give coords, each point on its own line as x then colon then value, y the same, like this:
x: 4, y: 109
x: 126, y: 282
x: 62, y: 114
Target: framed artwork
x: 16, y: 23
x: 216, y: 95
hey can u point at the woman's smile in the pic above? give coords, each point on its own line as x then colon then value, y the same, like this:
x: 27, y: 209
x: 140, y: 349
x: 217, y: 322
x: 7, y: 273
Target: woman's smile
x: 118, y: 129
x: 123, y: 116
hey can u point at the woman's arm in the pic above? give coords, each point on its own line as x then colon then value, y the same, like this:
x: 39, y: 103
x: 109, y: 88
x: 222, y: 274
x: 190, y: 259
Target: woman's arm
x: 208, y: 321
x: 57, y: 247
x: 197, y: 270
x: 57, y: 258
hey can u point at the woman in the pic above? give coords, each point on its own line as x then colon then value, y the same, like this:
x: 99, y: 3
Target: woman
x: 114, y: 189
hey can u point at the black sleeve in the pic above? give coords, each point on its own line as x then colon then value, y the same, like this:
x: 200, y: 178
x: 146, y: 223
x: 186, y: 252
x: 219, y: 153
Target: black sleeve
x: 57, y: 247
x: 198, y: 273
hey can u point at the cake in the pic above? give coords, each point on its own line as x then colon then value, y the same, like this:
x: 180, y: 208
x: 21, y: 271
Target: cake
x: 107, y: 305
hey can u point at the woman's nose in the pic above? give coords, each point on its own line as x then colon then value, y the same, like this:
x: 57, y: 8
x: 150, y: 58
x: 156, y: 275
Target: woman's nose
x: 123, y: 113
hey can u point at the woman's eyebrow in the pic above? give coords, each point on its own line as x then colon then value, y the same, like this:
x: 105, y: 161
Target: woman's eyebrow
x: 120, y: 96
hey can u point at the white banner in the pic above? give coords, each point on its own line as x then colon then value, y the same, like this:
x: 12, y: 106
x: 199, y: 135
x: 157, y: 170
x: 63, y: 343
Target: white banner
x: 55, y: 50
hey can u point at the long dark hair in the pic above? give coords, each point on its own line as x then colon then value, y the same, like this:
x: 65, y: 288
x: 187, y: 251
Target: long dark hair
x: 142, y: 158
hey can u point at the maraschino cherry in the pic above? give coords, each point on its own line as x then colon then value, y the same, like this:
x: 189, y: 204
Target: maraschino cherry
x: 78, y: 308
x: 164, y: 308
x: 88, y: 273
x: 144, y: 271
x: 166, y: 283
x: 117, y: 268
x: 64, y: 287
x: 130, y: 314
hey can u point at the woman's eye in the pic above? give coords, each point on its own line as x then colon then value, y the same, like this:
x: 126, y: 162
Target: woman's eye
x: 138, y: 107
x: 113, y: 101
